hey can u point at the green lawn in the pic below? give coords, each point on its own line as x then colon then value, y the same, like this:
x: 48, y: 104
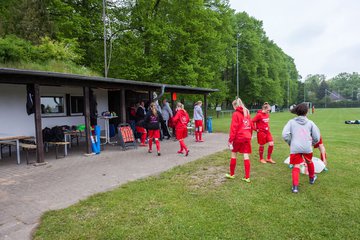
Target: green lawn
x: 195, y: 201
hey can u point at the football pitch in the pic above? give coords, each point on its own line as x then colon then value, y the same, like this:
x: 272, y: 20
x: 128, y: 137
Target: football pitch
x: 195, y: 201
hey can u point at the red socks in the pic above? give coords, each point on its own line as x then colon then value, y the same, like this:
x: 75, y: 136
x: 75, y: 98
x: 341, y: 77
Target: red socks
x: 261, y: 151
x: 200, y: 136
x: 232, y: 166
x: 311, y: 169
x: 295, y: 176
x: 247, y: 168
x: 270, y: 150
x: 150, y: 144
x: 143, y: 138
x: 197, y: 136
x: 182, y: 145
x: 157, y: 145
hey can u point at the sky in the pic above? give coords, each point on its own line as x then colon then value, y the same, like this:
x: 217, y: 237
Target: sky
x: 322, y: 36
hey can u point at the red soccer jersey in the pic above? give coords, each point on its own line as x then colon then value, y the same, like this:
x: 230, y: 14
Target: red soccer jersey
x: 241, y: 127
x: 181, y: 119
x: 261, y: 121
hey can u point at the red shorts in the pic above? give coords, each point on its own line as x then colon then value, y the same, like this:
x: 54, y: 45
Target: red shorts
x: 297, y: 158
x: 140, y: 129
x: 181, y: 133
x: 198, y: 126
x: 320, y: 142
x: 242, y: 147
x: 154, y: 133
x: 264, y: 137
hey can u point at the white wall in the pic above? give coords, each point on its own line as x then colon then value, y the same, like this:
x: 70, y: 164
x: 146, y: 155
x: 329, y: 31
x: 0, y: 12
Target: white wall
x: 15, y: 121
x: 13, y: 117
x: 102, y: 104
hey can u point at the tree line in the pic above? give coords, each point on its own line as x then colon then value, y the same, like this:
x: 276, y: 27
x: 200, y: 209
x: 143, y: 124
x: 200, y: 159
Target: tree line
x: 342, y: 90
x: 193, y: 43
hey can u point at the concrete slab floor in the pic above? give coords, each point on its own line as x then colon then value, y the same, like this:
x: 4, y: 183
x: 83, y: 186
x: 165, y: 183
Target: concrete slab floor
x: 26, y: 191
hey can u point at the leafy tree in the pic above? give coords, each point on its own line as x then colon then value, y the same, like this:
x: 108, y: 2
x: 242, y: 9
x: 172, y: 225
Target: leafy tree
x: 320, y: 94
x: 177, y: 42
x: 27, y: 19
x: 14, y: 49
x: 348, y: 84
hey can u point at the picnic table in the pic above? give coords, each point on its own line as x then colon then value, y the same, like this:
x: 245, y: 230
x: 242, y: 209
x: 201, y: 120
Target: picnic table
x: 14, y: 139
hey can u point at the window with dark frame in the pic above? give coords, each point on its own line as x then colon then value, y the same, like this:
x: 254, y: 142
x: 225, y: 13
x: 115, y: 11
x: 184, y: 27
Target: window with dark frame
x: 76, y: 105
x: 52, y: 105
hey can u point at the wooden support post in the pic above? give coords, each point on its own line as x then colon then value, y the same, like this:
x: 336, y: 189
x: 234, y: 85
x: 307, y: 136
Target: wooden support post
x: 150, y: 96
x: 172, y: 102
x: 38, y: 127
x: 87, y: 118
x: 123, y: 107
x: 205, y: 111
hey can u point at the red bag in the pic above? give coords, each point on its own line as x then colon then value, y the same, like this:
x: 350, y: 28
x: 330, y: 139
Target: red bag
x: 171, y: 123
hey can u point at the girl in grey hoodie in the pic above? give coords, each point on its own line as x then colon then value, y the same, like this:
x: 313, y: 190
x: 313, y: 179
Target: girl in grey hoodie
x: 301, y: 134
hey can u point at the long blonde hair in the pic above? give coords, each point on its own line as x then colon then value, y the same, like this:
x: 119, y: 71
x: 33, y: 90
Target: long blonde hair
x: 153, y: 109
x: 266, y: 106
x: 239, y: 103
x: 180, y: 105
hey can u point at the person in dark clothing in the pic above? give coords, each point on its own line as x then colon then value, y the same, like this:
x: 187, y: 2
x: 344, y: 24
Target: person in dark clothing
x: 152, y: 122
x: 167, y: 114
x: 140, y: 117
x: 132, y: 117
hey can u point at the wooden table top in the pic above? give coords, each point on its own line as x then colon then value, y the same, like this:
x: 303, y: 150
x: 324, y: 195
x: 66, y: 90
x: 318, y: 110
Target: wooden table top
x: 10, y: 138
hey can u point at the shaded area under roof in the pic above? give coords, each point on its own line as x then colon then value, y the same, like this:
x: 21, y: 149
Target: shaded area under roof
x: 20, y: 76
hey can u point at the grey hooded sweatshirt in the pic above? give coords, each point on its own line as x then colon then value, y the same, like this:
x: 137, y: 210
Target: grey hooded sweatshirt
x: 301, y: 134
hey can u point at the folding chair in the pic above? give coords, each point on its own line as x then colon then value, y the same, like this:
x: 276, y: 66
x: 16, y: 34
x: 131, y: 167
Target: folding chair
x: 126, y: 136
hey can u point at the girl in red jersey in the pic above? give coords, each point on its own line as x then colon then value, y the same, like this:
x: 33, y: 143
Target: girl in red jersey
x: 240, y: 138
x: 180, y: 121
x: 261, y: 124
x: 152, y: 122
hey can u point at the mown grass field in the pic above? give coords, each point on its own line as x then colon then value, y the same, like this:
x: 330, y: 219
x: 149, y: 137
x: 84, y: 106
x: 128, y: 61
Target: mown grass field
x: 195, y: 201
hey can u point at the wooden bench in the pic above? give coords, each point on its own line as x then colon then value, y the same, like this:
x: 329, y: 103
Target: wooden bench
x: 57, y: 145
x: 2, y: 145
x: 25, y: 146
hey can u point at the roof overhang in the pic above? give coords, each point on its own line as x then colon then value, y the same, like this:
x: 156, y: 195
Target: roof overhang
x: 19, y: 76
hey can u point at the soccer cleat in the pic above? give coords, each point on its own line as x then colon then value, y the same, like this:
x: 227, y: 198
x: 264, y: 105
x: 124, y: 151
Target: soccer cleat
x: 201, y: 140
x: 269, y: 160
x: 326, y: 169
x: 229, y: 176
x: 291, y: 166
x: 295, y: 189
x: 187, y: 153
x: 143, y: 144
x: 149, y: 151
x: 313, y: 179
x: 180, y: 152
x: 262, y: 161
x: 246, y: 180
x: 158, y: 153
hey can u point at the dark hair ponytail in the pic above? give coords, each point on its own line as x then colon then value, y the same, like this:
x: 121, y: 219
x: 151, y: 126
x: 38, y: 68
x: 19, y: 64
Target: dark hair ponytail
x: 300, y: 109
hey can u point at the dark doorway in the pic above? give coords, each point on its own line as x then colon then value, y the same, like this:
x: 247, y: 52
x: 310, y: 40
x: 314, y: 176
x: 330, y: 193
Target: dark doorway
x: 114, y: 102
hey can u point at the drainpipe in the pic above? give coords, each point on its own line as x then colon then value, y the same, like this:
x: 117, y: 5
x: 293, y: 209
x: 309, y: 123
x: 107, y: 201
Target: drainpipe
x: 161, y: 94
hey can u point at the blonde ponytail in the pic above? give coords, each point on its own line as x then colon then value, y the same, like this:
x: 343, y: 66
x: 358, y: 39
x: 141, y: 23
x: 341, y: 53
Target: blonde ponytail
x: 238, y: 103
x: 266, y: 106
x: 153, y: 109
